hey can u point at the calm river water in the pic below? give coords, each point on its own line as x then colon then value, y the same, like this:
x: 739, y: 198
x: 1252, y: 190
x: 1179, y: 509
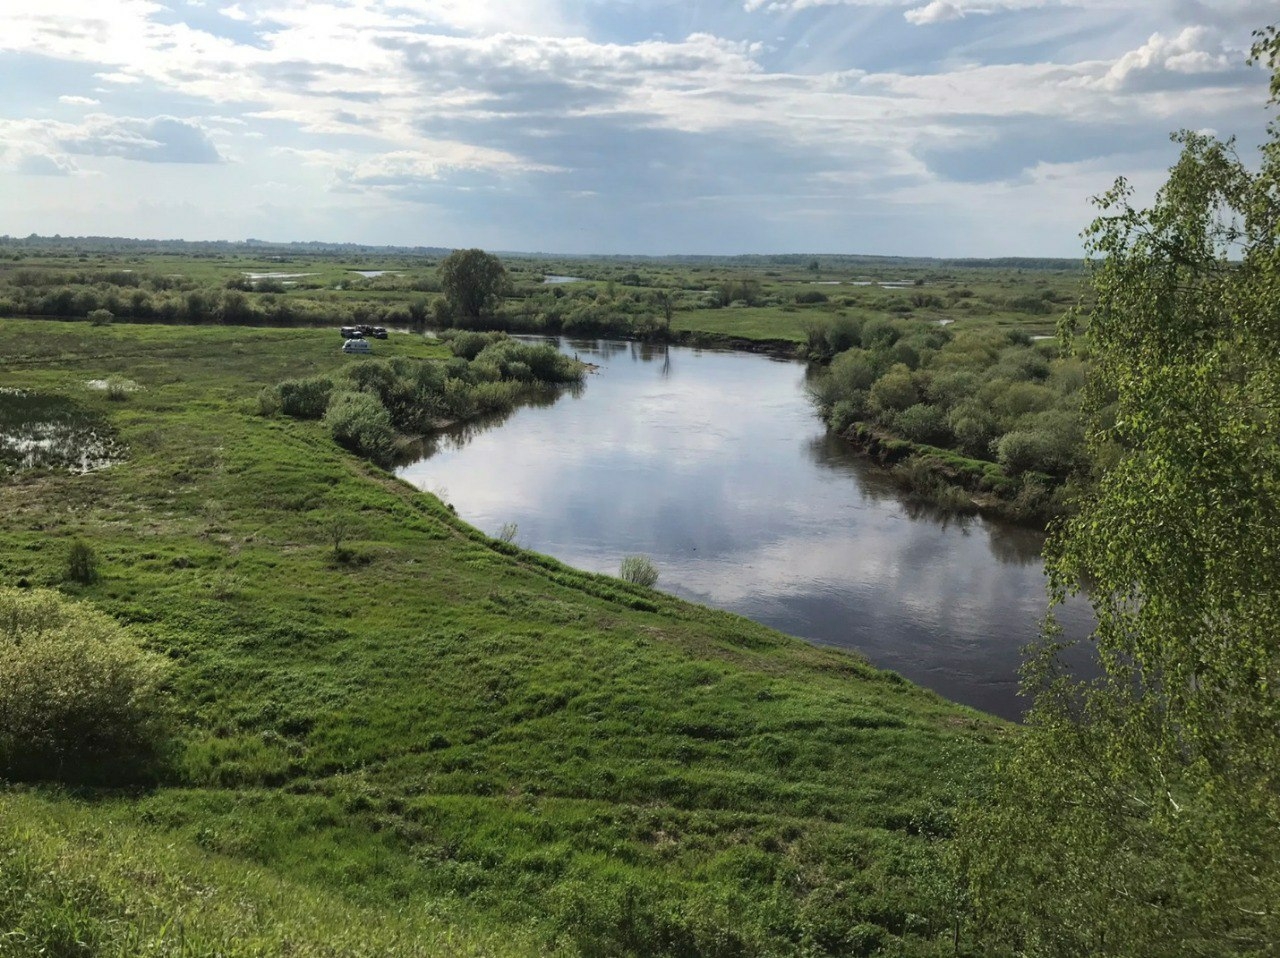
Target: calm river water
x: 715, y: 465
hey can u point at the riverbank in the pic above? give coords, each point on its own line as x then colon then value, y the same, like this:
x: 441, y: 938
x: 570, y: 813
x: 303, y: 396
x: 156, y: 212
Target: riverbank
x: 431, y: 729
x: 957, y: 483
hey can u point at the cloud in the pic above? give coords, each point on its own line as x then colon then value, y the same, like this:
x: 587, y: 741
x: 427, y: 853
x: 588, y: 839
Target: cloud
x: 161, y: 139
x: 78, y: 100
x: 125, y: 79
x: 44, y: 164
x: 404, y: 168
x: 1194, y: 53
x: 414, y: 99
x: 938, y: 11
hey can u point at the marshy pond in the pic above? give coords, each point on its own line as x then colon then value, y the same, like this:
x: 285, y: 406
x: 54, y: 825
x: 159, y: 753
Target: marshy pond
x: 39, y: 431
x: 716, y: 466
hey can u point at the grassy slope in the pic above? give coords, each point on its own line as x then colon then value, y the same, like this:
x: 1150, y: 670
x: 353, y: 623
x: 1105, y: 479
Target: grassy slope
x: 446, y: 729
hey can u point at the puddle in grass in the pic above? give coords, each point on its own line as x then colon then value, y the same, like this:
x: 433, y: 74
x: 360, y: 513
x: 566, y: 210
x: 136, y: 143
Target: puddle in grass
x: 39, y: 431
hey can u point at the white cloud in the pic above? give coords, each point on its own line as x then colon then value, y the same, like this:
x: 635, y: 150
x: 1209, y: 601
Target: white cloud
x: 938, y: 11
x: 78, y: 100
x: 383, y: 95
x: 43, y: 164
x: 1195, y: 50
x: 160, y: 139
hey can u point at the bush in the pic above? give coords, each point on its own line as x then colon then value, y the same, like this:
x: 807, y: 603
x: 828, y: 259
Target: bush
x: 852, y: 371
x: 894, y: 391
x: 305, y: 398
x: 469, y: 345
x: 359, y: 422
x: 79, y: 700
x: 878, y: 334
x: 268, y: 401
x: 638, y: 570
x: 117, y: 390
x: 974, y: 426
x: 82, y: 564
x: 922, y: 423
x: 101, y: 317
x: 1051, y: 442
x: 847, y: 411
x: 810, y: 296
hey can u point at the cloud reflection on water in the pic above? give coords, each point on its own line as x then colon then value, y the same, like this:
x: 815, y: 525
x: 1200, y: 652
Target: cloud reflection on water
x: 715, y: 465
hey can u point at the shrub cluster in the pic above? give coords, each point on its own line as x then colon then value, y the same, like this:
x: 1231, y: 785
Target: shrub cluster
x: 986, y: 394
x: 79, y: 700
x: 372, y: 400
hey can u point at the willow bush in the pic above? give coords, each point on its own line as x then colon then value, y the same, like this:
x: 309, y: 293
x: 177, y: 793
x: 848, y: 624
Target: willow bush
x: 80, y: 700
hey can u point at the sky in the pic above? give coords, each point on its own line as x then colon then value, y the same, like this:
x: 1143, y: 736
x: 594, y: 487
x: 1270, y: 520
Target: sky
x: 894, y: 127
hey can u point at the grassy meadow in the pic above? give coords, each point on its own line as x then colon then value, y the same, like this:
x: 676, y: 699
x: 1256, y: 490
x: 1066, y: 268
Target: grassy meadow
x: 430, y: 741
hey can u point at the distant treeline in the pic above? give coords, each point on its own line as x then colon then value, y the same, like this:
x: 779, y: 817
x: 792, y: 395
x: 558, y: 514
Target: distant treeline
x: 148, y: 297
x: 248, y: 247
x: 254, y: 247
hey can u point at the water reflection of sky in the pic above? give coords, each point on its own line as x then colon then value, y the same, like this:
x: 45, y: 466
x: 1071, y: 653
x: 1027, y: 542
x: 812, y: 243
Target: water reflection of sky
x: 715, y: 465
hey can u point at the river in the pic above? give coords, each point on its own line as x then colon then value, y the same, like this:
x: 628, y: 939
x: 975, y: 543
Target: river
x: 716, y: 466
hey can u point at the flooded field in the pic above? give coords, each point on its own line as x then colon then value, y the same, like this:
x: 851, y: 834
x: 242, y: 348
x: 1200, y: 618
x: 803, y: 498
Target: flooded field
x: 39, y: 431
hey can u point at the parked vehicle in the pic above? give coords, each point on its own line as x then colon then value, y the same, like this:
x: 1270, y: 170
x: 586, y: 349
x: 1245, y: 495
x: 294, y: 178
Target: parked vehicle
x: 357, y: 345
x: 379, y: 332
x: 352, y: 332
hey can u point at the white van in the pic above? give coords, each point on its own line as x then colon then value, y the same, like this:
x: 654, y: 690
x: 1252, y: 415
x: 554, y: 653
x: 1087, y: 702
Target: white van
x: 357, y: 346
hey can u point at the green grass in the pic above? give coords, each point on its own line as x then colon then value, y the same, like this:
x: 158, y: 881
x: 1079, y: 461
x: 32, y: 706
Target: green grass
x: 748, y: 322
x: 443, y: 728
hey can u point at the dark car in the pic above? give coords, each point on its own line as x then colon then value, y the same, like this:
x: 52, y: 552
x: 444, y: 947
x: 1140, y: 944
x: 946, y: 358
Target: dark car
x: 379, y: 333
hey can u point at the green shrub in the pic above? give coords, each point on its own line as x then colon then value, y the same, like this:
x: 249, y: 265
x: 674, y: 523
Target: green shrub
x: 82, y: 564
x: 359, y: 422
x: 974, y: 426
x: 950, y: 388
x: 1050, y: 442
x: 268, y: 401
x: 878, y: 334
x: 469, y: 345
x: 922, y: 423
x: 852, y: 370
x: 904, y: 353
x: 894, y: 391
x: 117, y: 388
x: 847, y: 411
x: 79, y: 700
x: 305, y: 398
x: 638, y: 570
x: 810, y: 296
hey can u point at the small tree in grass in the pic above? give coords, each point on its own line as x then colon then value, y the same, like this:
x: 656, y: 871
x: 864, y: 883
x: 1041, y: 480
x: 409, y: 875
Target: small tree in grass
x: 638, y: 570
x: 82, y: 563
x: 337, y: 528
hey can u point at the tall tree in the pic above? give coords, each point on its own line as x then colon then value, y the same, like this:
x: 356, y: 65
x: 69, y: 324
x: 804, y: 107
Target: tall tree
x: 1139, y: 813
x: 473, y: 282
